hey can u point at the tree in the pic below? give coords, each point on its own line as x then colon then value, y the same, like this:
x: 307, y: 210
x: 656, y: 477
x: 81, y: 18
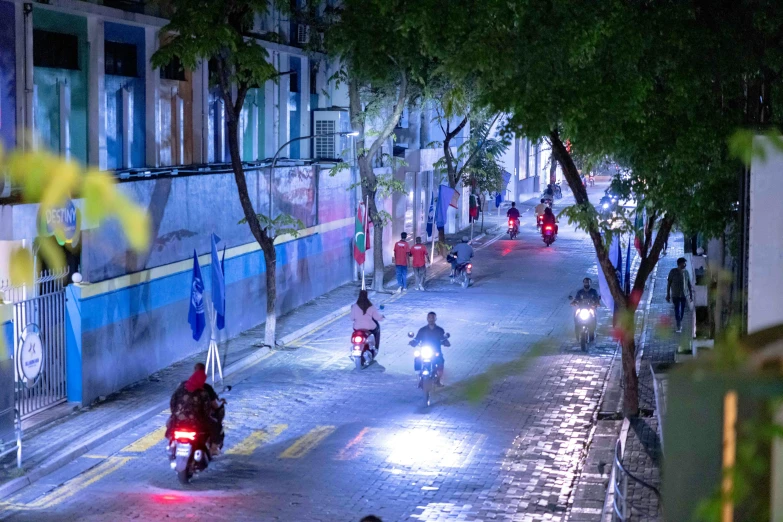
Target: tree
x: 219, y: 31
x: 382, y: 67
x: 657, y: 88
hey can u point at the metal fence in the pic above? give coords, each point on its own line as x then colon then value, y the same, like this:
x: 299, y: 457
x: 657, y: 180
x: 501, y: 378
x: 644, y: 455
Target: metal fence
x: 623, y: 510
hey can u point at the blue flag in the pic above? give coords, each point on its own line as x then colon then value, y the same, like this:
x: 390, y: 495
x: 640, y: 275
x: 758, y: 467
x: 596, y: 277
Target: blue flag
x: 221, y: 318
x: 218, y: 283
x: 445, y: 195
x: 196, y: 316
x: 431, y: 215
x: 628, y: 268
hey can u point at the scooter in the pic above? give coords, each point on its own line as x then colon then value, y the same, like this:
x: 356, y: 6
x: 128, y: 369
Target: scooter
x: 584, y: 322
x: 363, y: 351
x: 463, y: 274
x: 189, y: 447
x: 548, y: 234
x: 513, y: 228
x: 425, y: 364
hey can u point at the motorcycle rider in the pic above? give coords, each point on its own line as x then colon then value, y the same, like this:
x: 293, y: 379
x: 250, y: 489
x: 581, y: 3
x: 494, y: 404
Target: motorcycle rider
x: 550, y: 219
x: 461, y: 254
x: 540, y: 208
x: 513, y: 213
x: 366, y: 317
x: 433, y: 336
x: 195, y: 401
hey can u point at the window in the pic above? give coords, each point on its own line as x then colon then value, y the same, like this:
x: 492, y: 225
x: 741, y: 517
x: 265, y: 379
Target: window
x: 120, y: 59
x: 173, y: 71
x: 294, y: 78
x: 55, y: 50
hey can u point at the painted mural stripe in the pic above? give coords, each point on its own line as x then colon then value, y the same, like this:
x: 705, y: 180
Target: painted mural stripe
x: 75, y: 485
x: 146, y: 442
x: 354, y: 448
x: 307, y: 442
x: 186, y: 265
x: 250, y: 443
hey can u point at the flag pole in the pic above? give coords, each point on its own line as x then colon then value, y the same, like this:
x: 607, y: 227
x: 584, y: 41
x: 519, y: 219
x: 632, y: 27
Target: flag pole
x: 434, y: 225
x: 366, y: 231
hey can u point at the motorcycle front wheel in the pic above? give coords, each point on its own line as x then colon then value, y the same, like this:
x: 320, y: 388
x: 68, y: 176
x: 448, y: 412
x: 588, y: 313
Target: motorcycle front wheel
x: 583, y: 341
x: 426, y: 385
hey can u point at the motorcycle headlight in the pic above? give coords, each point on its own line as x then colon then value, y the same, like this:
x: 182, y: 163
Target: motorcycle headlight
x: 427, y: 353
x: 584, y: 314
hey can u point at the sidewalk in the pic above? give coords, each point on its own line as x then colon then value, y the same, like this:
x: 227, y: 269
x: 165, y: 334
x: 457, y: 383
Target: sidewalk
x: 643, y: 455
x: 53, y: 443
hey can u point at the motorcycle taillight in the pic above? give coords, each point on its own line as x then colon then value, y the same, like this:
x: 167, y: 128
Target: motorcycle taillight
x: 185, y: 435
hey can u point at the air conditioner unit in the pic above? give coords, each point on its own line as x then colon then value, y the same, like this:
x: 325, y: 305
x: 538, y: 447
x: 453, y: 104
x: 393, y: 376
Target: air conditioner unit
x: 327, y: 144
x: 302, y: 34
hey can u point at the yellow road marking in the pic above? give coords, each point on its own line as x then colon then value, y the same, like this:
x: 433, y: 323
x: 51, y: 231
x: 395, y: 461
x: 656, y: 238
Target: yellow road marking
x: 307, y: 443
x: 249, y: 444
x: 147, y: 441
x: 354, y: 448
x: 77, y: 484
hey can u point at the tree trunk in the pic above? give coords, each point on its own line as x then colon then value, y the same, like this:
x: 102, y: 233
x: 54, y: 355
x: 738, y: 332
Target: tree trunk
x: 369, y: 191
x: 270, y: 260
x: 553, y: 170
x: 630, y: 378
x: 259, y: 233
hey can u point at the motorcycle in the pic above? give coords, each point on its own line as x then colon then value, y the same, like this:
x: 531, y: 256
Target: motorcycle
x: 591, y: 180
x: 548, y: 234
x: 558, y: 190
x: 585, y: 322
x: 363, y: 351
x: 513, y: 228
x: 463, y: 274
x: 425, y: 364
x: 189, y: 448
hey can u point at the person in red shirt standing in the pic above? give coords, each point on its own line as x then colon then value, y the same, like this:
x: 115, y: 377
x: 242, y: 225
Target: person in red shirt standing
x: 420, y: 259
x: 402, y: 251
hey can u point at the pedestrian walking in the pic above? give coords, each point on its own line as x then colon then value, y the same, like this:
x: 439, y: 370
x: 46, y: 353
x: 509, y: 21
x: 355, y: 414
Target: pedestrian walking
x: 420, y: 260
x: 402, y: 251
x: 679, y: 282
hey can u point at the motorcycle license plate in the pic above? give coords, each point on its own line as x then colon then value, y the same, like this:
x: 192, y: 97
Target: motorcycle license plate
x: 183, y: 450
x: 357, y: 352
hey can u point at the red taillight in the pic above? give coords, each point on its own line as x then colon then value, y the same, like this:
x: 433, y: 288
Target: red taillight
x: 358, y: 339
x: 470, y: 267
x: 511, y: 223
x: 548, y: 227
x: 188, y: 435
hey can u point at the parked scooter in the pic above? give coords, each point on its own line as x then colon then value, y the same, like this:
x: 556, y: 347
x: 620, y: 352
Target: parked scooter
x: 425, y: 364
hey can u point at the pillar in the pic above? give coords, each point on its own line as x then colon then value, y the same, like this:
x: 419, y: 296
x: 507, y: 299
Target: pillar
x: 96, y: 105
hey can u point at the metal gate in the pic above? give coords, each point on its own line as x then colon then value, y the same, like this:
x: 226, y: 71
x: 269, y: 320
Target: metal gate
x: 40, y: 312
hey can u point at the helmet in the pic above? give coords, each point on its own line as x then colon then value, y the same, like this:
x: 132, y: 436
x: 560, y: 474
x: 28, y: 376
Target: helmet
x: 465, y: 239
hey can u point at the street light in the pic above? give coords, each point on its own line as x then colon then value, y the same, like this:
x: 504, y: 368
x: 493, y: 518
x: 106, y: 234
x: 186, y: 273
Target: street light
x: 348, y: 133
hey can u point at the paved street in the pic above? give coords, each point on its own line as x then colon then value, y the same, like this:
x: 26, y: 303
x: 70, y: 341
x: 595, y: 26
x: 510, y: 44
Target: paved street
x: 310, y: 438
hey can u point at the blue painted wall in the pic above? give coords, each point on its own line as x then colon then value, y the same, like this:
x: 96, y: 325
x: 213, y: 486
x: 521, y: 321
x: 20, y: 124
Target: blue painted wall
x: 7, y: 75
x: 114, y: 84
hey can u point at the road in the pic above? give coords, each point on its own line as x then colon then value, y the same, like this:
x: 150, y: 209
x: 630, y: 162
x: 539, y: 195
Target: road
x: 311, y: 438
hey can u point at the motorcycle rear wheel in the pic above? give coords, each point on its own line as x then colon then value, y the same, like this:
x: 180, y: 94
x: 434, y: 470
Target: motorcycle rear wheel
x: 357, y: 361
x: 184, y: 476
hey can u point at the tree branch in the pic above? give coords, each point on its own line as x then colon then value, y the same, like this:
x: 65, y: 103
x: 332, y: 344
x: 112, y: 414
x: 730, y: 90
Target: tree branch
x: 648, y: 232
x: 391, y: 123
x: 477, y: 149
x: 648, y: 263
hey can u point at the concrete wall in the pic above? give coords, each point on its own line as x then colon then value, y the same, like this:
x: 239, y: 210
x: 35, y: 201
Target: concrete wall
x: 765, y: 243
x: 122, y: 329
x: 7, y: 76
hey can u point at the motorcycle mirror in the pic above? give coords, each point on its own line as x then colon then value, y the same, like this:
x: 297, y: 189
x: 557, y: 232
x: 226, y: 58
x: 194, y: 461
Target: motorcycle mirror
x: 226, y: 389
x: 410, y: 334
x: 382, y: 307
x: 570, y: 298
x: 448, y: 335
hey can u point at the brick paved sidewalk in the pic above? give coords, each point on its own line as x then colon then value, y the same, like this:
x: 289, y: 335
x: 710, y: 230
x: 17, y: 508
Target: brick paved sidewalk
x: 643, y: 454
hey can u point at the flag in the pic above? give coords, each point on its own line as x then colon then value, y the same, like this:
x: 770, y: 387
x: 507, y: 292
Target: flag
x: 446, y: 197
x: 360, y: 237
x: 218, y: 282
x: 196, y: 316
x: 617, y: 258
x: 498, y: 199
x: 221, y: 318
x: 614, y: 257
x: 473, y: 208
x: 431, y: 215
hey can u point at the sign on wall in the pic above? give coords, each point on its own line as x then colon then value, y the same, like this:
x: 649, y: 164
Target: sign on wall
x: 30, y: 355
x: 64, y: 223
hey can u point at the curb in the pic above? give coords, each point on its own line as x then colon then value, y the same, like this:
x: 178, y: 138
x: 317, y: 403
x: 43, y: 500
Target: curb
x: 72, y: 453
